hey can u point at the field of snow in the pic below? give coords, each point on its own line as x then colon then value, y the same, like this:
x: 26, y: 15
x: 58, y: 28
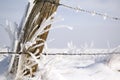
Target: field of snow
x: 72, y: 67
x: 77, y: 68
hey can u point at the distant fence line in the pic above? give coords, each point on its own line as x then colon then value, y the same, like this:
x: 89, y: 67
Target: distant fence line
x: 58, y: 53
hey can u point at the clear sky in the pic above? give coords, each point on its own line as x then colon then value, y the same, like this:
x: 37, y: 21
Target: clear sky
x: 86, y: 28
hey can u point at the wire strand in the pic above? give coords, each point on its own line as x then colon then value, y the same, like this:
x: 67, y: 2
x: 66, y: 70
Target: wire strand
x: 60, y: 53
x: 104, y: 15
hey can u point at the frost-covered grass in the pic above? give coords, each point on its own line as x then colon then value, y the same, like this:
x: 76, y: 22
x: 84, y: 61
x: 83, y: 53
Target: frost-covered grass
x: 14, y: 34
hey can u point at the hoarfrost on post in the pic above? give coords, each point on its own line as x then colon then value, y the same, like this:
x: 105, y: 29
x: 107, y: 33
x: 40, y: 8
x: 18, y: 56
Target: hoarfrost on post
x: 31, y: 1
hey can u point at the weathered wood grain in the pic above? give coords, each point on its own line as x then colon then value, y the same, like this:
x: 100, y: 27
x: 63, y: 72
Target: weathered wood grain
x: 45, y: 9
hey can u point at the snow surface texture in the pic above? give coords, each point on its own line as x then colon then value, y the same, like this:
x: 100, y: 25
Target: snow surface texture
x: 81, y: 67
x: 62, y: 67
x: 69, y: 68
x: 76, y: 68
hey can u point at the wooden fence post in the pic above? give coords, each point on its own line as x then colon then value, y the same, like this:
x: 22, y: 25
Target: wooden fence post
x: 46, y: 8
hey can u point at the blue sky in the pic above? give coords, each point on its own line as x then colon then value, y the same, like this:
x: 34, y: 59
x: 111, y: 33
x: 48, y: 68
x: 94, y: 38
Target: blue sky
x: 86, y: 28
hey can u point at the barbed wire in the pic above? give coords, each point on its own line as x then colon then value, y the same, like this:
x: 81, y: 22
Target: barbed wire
x: 80, y: 53
x: 61, y: 53
x: 77, y: 9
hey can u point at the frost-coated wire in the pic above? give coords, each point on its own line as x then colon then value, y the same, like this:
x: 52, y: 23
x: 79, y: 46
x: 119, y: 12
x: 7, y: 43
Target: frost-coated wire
x: 104, y: 15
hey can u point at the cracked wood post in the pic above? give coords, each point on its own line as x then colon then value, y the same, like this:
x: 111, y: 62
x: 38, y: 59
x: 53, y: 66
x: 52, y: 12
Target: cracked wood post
x: 45, y: 8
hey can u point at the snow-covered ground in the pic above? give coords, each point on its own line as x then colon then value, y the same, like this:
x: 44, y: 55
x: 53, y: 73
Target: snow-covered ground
x: 72, y: 67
